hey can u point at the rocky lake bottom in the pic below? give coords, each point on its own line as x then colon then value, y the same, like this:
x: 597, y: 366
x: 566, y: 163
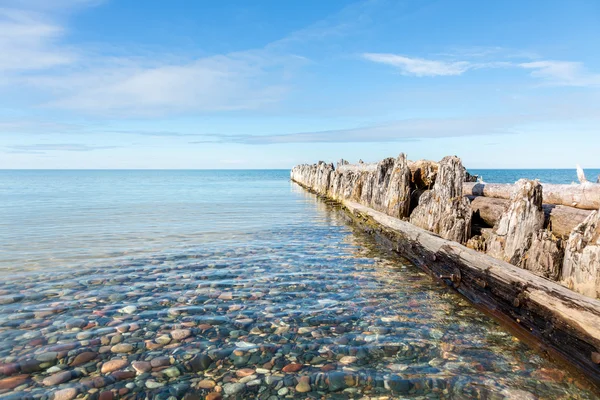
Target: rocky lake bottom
x: 309, y: 308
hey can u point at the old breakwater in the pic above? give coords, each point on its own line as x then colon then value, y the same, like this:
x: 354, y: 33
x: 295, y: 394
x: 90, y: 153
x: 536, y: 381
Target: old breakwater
x: 524, y: 260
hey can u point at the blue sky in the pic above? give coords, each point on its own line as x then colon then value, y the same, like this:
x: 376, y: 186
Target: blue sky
x: 270, y: 84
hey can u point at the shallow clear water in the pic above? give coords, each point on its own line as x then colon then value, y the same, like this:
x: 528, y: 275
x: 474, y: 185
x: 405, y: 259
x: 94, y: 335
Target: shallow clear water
x: 165, y: 284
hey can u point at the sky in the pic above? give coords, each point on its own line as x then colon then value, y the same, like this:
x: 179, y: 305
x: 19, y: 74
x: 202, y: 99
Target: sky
x: 271, y: 84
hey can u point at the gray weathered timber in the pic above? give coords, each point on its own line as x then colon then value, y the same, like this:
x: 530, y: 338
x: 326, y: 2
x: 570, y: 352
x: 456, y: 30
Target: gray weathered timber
x: 525, y: 232
x: 384, y: 186
x: 561, y: 220
x: 444, y: 210
x: 517, y: 226
x: 581, y: 267
x: 584, y: 196
x: 519, y: 236
x: 567, y: 322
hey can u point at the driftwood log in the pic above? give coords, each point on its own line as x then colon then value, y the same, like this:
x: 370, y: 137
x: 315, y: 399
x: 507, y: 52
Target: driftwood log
x: 561, y: 220
x: 581, y: 269
x: 585, y: 196
x: 514, y: 231
x: 524, y: 231
x: 567, y: 322
x: 555, y: 319
x: 444, y: 210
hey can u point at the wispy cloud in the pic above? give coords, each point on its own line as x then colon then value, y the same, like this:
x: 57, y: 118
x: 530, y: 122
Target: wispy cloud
x: 557, y: 73
x: 420, y: 66
x: 43, y: 147
x: 562, y: 73
x: 219, y: 83
x: 29, y: 42
x: 153, y: 133
x: 35, y: 56
x: 398, y: 131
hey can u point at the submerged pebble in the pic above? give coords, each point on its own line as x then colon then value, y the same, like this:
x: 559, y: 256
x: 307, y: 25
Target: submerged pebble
x: 308, y: 310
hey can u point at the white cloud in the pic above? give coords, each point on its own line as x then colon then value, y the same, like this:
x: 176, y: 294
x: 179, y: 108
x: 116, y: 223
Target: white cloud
x: 562, y: 73
x: 41, y: 148
x: 220, y: 83
x: 398, y: 131
x: 28, y: 42
x: 420, y: 66
x: 35, y: 56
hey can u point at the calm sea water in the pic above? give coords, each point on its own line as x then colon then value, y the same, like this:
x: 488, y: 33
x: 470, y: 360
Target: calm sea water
x: 544, y: 175
x: 185, y: 284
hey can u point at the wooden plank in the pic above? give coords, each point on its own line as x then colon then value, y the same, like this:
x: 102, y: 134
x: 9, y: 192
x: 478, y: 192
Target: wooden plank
x: 561, y: 220
x: 585, y: 196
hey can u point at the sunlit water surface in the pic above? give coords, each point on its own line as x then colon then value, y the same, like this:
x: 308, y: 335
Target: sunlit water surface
x: 194, y: 284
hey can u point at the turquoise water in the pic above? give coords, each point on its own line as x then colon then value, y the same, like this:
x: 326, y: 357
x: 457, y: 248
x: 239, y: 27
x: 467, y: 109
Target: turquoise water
x: 167, y: 284
x: 544, y: 175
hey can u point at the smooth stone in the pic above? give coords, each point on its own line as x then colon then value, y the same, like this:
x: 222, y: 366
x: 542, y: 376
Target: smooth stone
x: 337, y: 381
x: 75, y: 323
x: 213, y: 396
x: 283, y: 391
x: 262, y: 371
x: 122, y: 348
x: 106, y: 395
x: 116, y: 339
x: 200, y: 362
x: 400, y: 385
x: 254, y: 382
x: 57, y: 379
x: 29, y: 366
x: 113, y: 365
x: 154, y: 384
x: 181, y: 334
x: 244, y: 372
x: 84, y: 335
x: 347, y: 360
x: 226, y: 296
x: 172, y: 372
x: 93, y: 382
x: 163, y: 340
x: 141, y: 366
x: 83, y: 358
x: 117, y: 297
x: 65, y: 394
x: 233, y: 388
x: 9, y: 369
x: 160, y: 362
x: 129, y: 309
x: 13, y: 381
x: 294, y: 367
x: 123, y: 375
x: 248, y: 378
x: 47, y: 357
x: 304, y: 385
x: 206, y: 384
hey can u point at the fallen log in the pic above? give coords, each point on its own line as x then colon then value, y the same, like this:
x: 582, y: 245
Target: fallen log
x: 583, y: 196
x: 561, y: 220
